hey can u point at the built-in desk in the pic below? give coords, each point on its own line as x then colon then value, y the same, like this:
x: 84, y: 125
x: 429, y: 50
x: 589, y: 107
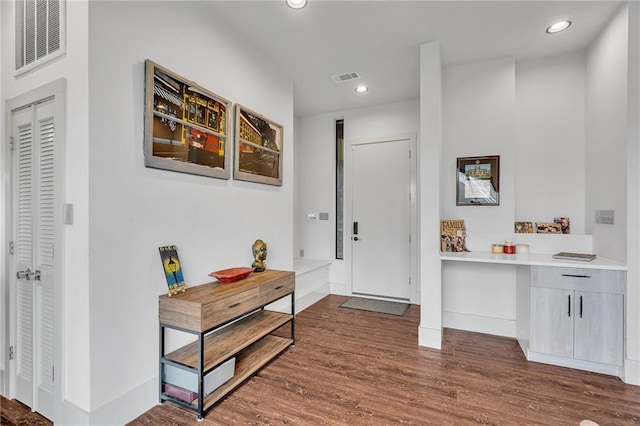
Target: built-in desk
x: 568, y: 312
x: 530, y: 260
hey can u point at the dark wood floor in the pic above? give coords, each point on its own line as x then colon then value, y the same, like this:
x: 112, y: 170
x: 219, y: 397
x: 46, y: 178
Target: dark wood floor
x: 13, y: 413
x: 353, y: 367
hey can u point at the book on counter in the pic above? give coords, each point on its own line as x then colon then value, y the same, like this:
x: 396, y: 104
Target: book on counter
x: 585, y: 257
x: 453, y: 236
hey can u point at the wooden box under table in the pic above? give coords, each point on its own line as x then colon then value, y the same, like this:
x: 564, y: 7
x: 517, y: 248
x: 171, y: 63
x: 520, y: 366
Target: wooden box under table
x: 247, y: 333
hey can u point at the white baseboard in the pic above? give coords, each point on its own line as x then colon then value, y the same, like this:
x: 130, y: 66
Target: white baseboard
x: 339, y: 289
x: 430, y: 337
x: 126, y: 407
x: 631, y: 372
x: 575, y: 363
x: 479, y: 324
x: 71, y: 415
x: 304, y: 301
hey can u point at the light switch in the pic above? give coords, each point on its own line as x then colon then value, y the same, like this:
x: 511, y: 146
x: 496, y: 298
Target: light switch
x: 68, y: 214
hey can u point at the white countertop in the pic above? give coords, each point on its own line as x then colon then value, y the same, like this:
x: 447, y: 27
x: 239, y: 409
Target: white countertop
x: 531, y: 259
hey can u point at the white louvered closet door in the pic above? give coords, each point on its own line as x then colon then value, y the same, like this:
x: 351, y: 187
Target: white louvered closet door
x: 34, y: 174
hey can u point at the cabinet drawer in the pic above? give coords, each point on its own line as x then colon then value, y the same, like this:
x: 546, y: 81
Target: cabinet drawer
x: 274, y: 290
x: 230, y: 307
x: 581, y: 279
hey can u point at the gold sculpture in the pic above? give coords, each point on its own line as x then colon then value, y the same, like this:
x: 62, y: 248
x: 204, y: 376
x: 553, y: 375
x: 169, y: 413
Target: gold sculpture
x: 259, y: 249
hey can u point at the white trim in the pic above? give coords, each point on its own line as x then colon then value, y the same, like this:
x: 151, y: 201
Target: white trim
x: 479, y: 324
x: 575, y: 363
x: 57, y: 90
x: 631, y: 372
x: 430, y: 337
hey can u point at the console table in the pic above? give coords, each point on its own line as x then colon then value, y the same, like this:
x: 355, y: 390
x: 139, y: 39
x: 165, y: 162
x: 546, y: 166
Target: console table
x: 234, y: 336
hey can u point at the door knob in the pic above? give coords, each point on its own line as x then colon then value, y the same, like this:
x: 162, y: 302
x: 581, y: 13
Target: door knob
x: 357, y: 239
x: 22, y: 275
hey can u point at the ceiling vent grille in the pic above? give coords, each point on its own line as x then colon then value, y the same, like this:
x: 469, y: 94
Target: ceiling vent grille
x: 39, y: 32
x: 341, y: 78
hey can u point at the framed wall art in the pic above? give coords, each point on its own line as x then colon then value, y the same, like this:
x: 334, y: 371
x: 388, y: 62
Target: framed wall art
x: 478, y: 181
x: 186, y: 125
x: 258, y: 148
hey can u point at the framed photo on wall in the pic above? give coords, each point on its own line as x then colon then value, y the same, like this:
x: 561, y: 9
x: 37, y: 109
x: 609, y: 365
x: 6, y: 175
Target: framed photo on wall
x: 186, y: 125
x: 478, y: 181
x: 258, y: 148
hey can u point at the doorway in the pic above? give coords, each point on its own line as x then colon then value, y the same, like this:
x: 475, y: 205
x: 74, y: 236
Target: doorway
x: 34, y: 226
x: 381, y: 218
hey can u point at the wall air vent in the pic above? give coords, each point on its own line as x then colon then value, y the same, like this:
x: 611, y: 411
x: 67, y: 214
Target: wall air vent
x: 341, y: 78
x: 39, y: 32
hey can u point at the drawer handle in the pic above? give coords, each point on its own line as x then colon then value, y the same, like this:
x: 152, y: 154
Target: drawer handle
x: 279, y: 287
x: 576, y: 276
x: 234, y: 305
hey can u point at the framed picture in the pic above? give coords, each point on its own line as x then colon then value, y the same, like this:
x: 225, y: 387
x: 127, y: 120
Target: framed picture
x: 548, y: 228
x: 186, y: 125
x: 478, y: 181
x: 258, y: 148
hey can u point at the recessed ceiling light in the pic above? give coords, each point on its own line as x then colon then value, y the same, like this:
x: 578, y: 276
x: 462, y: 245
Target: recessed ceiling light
x: 362, y: 89
x: 558, y: 26
x: 296, y: 4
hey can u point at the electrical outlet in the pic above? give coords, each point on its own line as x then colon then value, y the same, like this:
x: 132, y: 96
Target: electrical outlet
x: 301, y: 252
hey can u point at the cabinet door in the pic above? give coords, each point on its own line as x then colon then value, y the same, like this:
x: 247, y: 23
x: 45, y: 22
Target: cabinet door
x: 552, y: 313
x: 599, y: 327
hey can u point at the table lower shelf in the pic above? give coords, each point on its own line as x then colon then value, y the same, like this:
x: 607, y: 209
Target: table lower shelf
x: 248, y: 361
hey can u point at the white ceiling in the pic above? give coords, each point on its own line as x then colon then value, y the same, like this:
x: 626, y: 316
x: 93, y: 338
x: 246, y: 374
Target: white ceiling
x: 380, y: 40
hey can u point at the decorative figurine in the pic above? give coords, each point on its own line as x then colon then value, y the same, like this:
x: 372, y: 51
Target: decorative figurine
x: 259, y: 249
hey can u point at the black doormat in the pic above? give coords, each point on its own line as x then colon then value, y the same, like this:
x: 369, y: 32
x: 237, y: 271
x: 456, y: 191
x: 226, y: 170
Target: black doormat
x: 372, y: 305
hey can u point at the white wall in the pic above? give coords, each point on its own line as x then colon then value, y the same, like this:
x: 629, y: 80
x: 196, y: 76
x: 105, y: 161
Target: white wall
x: 134, y: 209
x: 632, y: 363
x: 315, y: 160
x: 73, y: 67
x: 429, y: 189
x: 606, y: 132
x: 479, y: 119
x: 531, y: 114
x: 550, y: 135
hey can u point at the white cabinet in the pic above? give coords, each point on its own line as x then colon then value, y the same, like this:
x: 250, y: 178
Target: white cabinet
x: 599, y: 326
x: 578, y: 314
x: 551, y: 324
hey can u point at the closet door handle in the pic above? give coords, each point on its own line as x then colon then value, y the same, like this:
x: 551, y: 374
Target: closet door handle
x: 569, y: 305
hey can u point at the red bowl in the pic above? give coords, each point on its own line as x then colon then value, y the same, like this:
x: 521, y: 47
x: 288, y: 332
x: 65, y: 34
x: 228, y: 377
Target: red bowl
x: 232, y: 274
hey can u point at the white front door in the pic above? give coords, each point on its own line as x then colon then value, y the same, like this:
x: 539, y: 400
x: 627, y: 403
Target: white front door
x: 381, y: 213
x: 33, y: 179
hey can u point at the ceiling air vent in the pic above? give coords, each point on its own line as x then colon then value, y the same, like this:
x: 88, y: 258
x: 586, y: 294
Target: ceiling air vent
x: 341, y: 78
